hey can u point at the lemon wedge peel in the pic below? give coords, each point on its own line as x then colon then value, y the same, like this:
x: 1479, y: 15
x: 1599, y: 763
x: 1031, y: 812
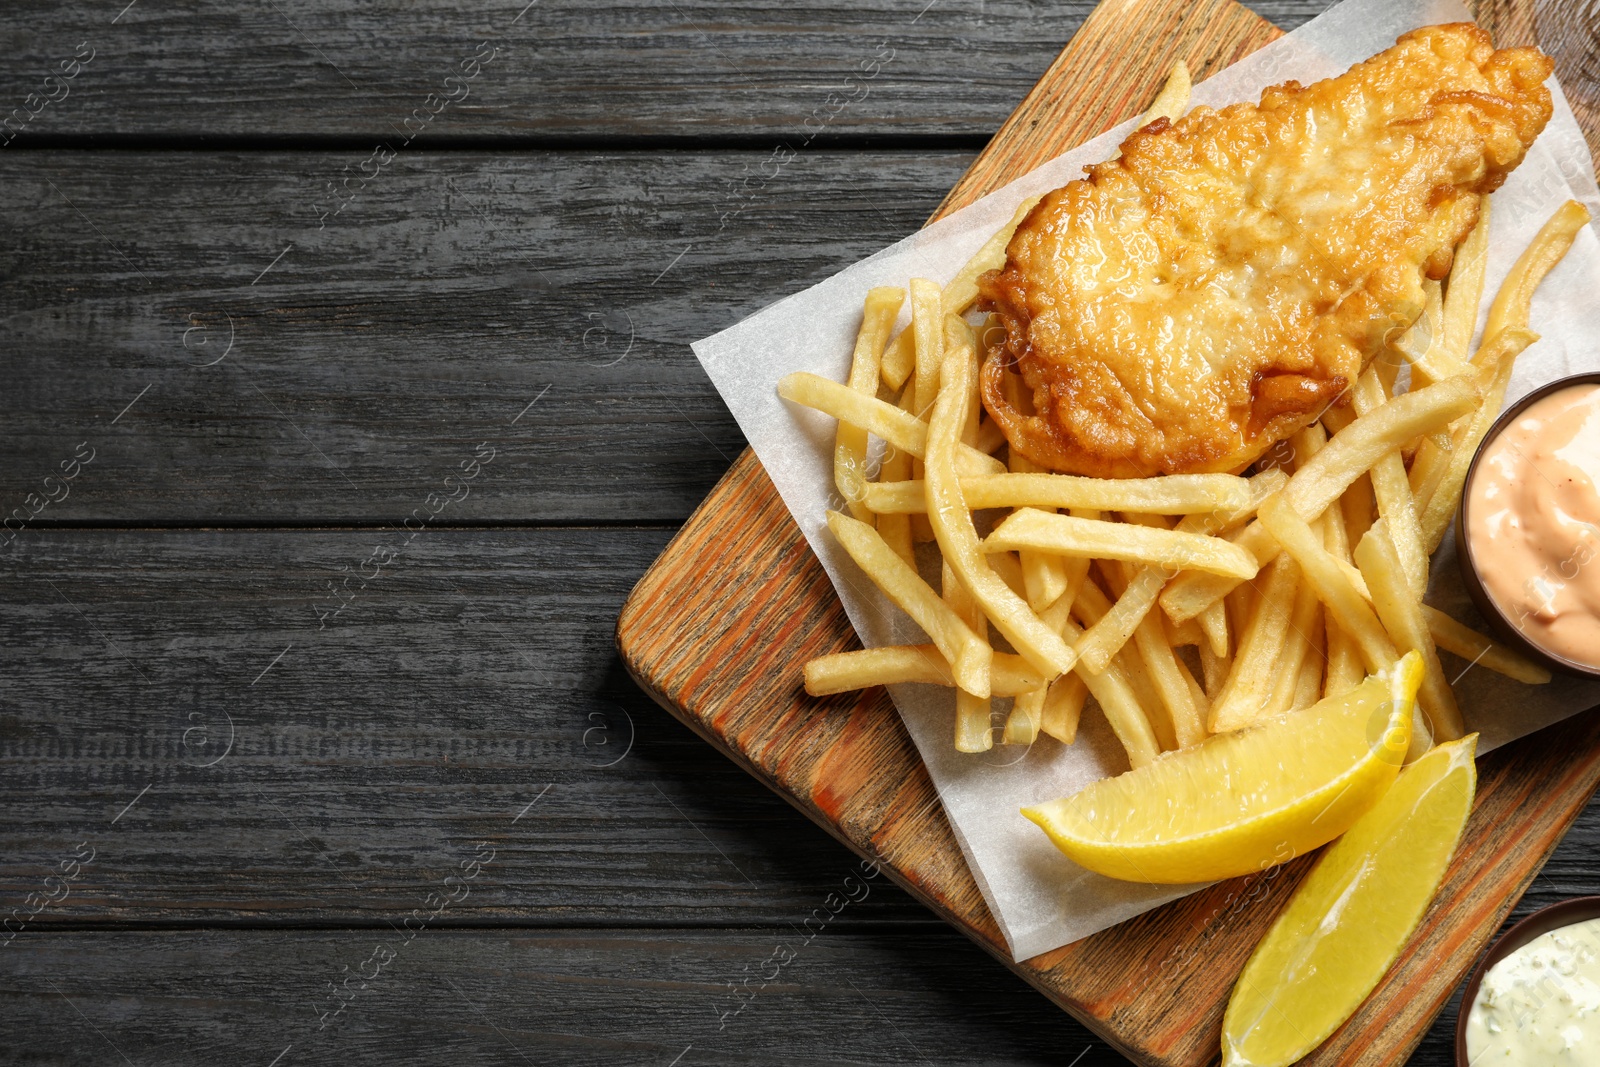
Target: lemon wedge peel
x: 1347, y: 922
x: 1241, y: 802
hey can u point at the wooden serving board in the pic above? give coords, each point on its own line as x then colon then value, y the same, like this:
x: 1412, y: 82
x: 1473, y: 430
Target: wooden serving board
x: 719, y: 627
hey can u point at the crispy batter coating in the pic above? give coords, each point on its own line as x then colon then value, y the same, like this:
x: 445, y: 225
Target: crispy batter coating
x: 1212, y: 290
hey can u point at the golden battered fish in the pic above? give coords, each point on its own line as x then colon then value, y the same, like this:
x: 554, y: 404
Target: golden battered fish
x: 1212, y: 290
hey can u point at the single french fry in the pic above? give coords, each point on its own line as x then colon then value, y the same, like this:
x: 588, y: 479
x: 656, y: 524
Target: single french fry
x: 1439, y: 512
x: 1466, y: 287
x: 850, y: 442
x: 927, y: 332
x: 1461, y: 640
x: 1196, y: 692
x: 1184, y: 633
x: 1513, y: 301
x: 843, y: 672
x: 974, y: 714
x: 1308, y: 683
x: 1214, y: 622
x: 1026, y: 717
x: 1069, y: 536
x: 1173, y: 99
x: 1401, y: 613
x: 1344, y: 670
x: 1308, y: 689
x: 1215, y: 668
x: 1167, y: 678
x: 901, y: 429
x: 968, y: 653
x: 952, y: 521
x: 1246, y: 695
x: 1335, y: 534
x: 1044, y: 575
x: 1174, y: 494
x: 1348, y: 454
x: 1358, y: 506
x: 896, y: 529
x: 1063, y: 707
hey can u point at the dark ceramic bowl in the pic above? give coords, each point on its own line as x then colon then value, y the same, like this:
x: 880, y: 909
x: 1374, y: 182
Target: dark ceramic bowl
x: 1541, y: 922
x: 1503, y: 624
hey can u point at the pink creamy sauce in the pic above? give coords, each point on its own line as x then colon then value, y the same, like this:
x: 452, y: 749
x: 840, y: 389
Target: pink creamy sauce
x: 1533, y: 517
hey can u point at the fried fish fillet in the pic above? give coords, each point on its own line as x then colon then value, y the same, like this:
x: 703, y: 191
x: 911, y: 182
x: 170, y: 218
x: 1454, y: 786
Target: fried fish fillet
x: 1213, y: 289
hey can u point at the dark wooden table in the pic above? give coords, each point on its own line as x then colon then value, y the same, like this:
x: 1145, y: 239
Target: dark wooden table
x: 347, y: 393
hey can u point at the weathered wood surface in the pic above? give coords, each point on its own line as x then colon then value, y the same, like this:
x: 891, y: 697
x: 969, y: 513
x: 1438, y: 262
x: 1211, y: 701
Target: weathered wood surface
x: 847, y: 996
x: 718, y: 628
x: 762, y: 69
x: 452, y: 292
x: 471, y: 677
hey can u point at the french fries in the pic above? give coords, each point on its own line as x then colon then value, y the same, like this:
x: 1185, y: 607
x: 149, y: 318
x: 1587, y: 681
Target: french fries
x: 1173, y: 99
x: 969, y: 655
x: 1351, y: 453
x: 1177, y: 494
x: 1515, y: 298
x: 1068, y: 536
x: 1401, y: 614
x: 842, y: 672
x: 850, y: 441
x: 952, y: 520
x: 974, y: 713
x: 1258, y: 573
x: 901, y: 429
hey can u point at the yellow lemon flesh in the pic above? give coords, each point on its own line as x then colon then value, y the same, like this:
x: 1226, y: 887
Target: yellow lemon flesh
x: 1349, y: 919
x: 1240, y: 802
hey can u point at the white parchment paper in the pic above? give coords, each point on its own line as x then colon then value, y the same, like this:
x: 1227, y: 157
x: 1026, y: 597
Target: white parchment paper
x: 1040, y: 898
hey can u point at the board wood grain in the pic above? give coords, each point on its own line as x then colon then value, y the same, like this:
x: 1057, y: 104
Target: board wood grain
x: 719, y: 627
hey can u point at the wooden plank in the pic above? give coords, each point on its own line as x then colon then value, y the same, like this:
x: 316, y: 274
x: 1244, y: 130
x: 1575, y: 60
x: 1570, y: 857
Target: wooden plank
x: 469, y: 679
x: 457, y: 289
x: 580, y: 997
x: 759, y: 68
x: 717, y: 629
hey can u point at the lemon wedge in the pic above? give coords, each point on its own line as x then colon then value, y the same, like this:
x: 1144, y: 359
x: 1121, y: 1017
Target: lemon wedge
x: 1349, y: 919
x: 1240, y: 802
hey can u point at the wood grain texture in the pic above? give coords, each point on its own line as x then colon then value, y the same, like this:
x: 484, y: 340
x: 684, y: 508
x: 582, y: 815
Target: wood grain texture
x: 336, y: 784
x: 604, y: 998
x: 453, y: 291
x: 702, y: 633
x: 760, y: 69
